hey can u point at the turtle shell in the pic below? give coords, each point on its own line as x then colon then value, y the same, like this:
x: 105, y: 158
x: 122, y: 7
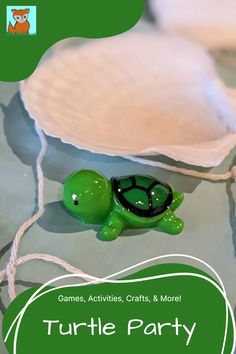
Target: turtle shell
x: 144, y: 196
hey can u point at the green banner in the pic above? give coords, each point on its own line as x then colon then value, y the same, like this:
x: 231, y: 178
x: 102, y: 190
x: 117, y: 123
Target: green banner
x: 168, y: 308
x: 29, y: 28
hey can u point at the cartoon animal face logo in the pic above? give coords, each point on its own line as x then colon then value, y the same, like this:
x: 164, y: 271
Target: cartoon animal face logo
x: 21, y: 15
x: 22, y: 24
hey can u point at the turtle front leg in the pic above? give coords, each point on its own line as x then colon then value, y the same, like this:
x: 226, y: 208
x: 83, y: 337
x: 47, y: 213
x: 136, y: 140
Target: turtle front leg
x: 113, y: 227
x: 170, y: 224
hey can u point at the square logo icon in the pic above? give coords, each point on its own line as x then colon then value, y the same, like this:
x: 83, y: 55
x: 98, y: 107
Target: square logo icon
x: 21, y: 20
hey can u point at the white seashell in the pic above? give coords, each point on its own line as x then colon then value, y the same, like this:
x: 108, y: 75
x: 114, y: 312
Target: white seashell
x: 210, y: 22
x: 135, y: 94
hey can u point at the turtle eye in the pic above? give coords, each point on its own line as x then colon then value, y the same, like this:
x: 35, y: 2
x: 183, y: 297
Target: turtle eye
x: 76, y: 202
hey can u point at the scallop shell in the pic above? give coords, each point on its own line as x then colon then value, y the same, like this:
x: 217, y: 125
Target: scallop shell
x: 135, y: 94
x: 210, y: 22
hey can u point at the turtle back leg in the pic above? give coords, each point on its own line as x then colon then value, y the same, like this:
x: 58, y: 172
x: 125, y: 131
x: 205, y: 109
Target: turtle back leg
x: 113, y: 227
x: 170, y: 224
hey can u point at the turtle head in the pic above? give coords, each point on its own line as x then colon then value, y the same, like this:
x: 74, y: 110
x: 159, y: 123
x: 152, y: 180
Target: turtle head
x: 87, y: 196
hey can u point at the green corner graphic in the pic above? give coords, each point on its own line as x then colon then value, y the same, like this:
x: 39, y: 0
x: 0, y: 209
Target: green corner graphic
x: 21, y: 53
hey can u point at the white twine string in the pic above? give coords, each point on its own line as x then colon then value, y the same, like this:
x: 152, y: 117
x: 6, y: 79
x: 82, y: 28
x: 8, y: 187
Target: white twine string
x: 186, y: 172
x: 10, y: 271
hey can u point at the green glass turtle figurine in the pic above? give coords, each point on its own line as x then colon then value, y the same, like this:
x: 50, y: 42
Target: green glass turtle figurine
x: 135, y: 202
